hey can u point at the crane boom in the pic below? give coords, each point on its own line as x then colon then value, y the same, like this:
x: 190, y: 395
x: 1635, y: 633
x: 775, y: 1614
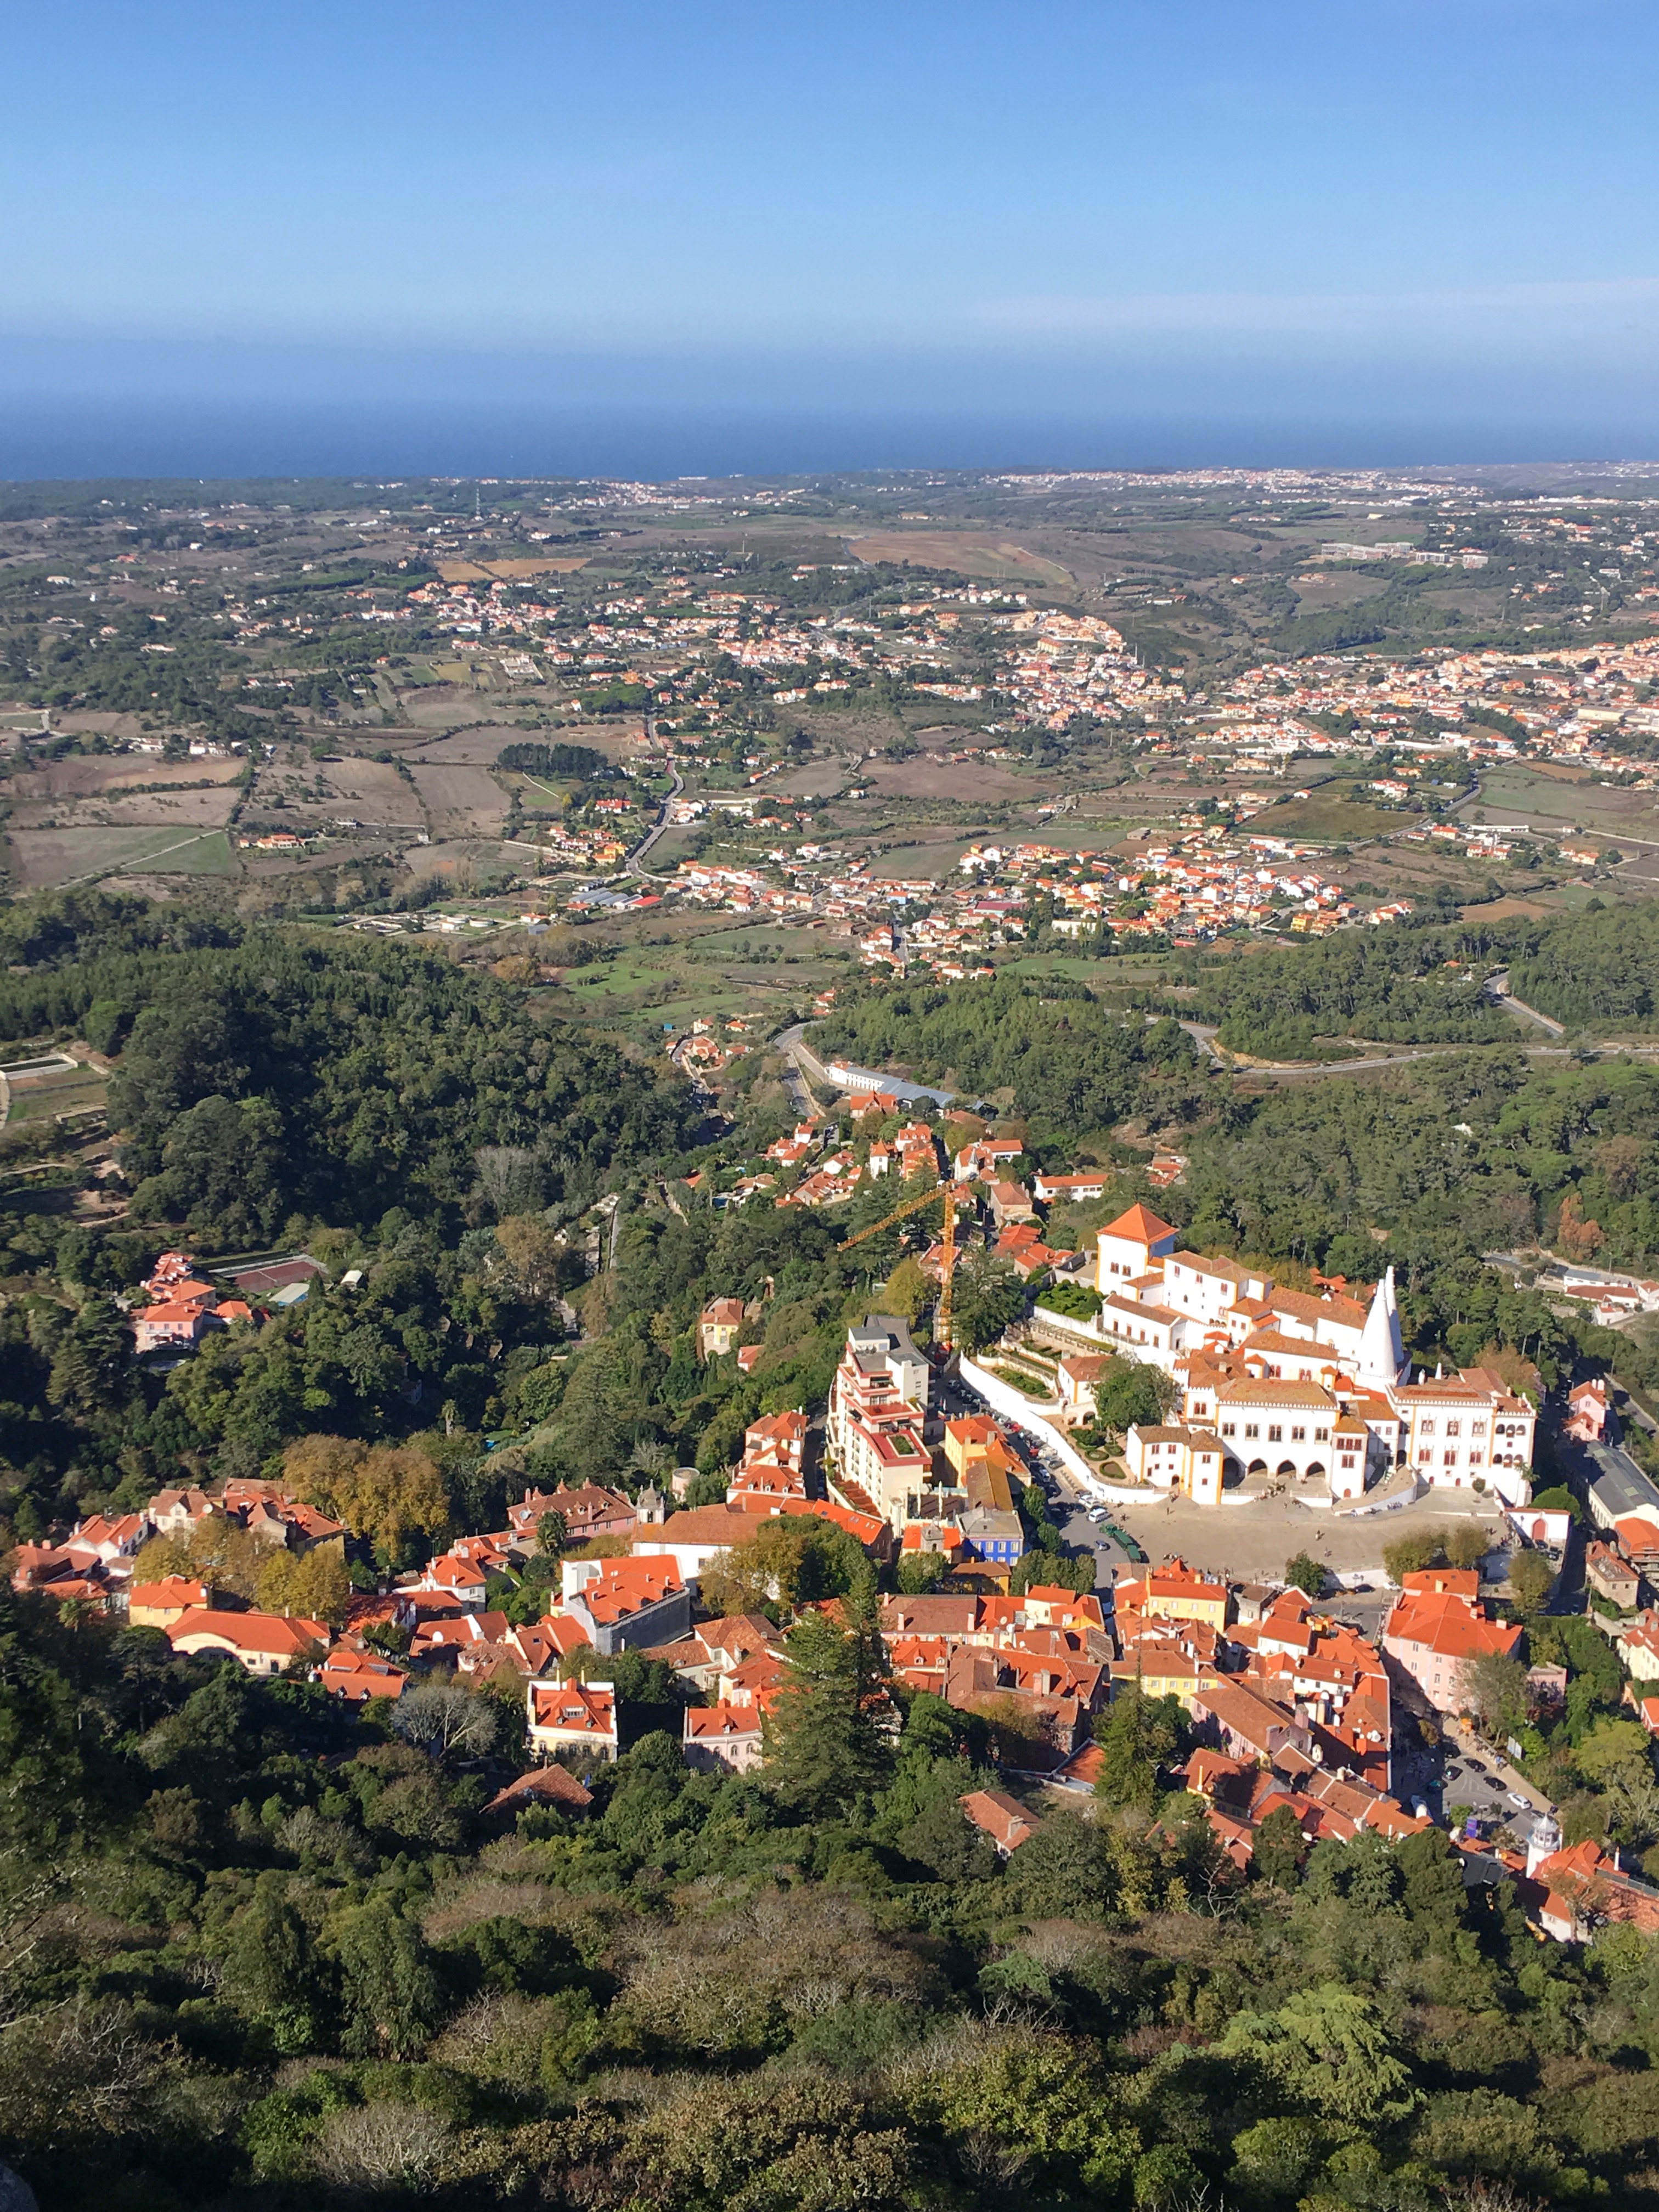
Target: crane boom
x: 899, y: 1214
x: 947, y: 1258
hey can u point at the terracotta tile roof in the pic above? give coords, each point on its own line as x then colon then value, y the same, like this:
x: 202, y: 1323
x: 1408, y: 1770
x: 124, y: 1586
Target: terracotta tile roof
x: 1448, y: 1626
x: 999, y: 1816
x: 1140, y: 1226
x: 357, y: 1675
x: 171, y: 1590
x: 264, y: 1632
x: 543, y: 1785
x: 1345, y: 1312
x: 719, y: 1723
x: 1271, y: 1393
x: 583, y: 1709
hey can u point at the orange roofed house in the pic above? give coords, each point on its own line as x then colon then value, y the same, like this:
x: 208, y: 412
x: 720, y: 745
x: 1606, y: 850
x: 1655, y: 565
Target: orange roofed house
x: 722, y: 1739
x: 1000, y: 1817
x: 588, y: 1510
x: 1128, y: 1246
x: 354, y: 1673
x: 620, y: 1602
x: 159, y: 1604
x: 718, y: 1326
x: 264, y: 1643
x: 1176, y: 1592
x: 572, y: 1716
x: 1438, y: 1627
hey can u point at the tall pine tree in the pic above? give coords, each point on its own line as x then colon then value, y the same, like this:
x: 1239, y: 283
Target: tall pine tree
x: 827, y: 1741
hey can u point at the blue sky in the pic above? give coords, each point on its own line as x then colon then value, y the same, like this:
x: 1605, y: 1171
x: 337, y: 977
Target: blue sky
x: 912, y: 232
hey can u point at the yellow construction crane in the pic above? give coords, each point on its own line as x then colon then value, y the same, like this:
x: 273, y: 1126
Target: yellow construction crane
x: 952, y: 1197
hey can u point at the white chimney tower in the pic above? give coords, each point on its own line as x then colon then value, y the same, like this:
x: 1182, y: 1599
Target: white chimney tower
x: 1545, y: 1843
x: 1381, y: 1360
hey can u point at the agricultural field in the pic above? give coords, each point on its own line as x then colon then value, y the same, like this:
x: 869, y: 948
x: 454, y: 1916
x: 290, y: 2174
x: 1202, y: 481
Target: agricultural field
x: 1326, y: 816
x: 967, y: 554
x: 1558, y: 803
x: 44, y: 858
x: 373, y: 792
x: 461, y: 802
x: 967, y: 782
x: 463, y: 572
x: 80, y: 779
x: 1341, y: 587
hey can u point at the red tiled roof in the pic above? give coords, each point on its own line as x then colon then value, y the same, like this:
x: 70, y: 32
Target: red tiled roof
x: 1443, y: 1581
x: 357, y: 1675
x: 587, y: 1708
x: 1449, y: 1626
x: 267, y: 1632
x: 711, y: 1723
x: 1140, y: 1225
x: 543, y: 1785
x: 999, y: 1816
x: 172, y: 1589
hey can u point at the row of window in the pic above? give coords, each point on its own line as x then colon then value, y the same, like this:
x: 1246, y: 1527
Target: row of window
x: 1276, y: 1432
x: 1478, y: 1428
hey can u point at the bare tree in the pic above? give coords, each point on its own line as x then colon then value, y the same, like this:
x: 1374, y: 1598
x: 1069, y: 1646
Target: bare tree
x: 85, y: 2058
x: 509, y: 1177
x: 441, y: 1718
x: 1633, y: 1803
x: 382, y: 2145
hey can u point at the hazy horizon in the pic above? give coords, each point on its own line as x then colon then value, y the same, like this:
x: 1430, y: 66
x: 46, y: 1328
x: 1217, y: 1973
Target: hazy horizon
x: 659, y: 240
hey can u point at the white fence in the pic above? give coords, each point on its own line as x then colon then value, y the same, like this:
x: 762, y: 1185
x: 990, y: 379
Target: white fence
x: 1014, y: 1406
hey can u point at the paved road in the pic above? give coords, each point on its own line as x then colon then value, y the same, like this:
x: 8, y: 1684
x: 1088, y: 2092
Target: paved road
x: 1203, y: 1034
x: 1498, y: 985
x: 807, y: 1065
x: 634, y: 864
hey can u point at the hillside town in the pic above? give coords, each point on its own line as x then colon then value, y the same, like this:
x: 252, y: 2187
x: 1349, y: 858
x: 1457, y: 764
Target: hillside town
x: 1290, y: 1708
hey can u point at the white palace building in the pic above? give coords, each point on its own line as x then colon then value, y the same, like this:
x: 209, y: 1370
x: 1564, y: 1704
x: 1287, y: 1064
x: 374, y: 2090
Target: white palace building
x: 1277, y: 1381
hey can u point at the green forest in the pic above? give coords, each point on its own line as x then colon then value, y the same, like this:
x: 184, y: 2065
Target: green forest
x: 434, y: 1132
x: 1420, y: 982
x: 1052, y: 1045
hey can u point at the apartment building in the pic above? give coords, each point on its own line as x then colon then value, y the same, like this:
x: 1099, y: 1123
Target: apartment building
x: 1438, y: 1627
x: 879, y: 1405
